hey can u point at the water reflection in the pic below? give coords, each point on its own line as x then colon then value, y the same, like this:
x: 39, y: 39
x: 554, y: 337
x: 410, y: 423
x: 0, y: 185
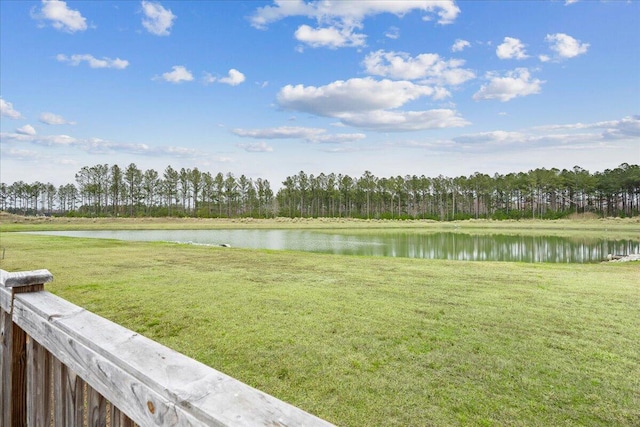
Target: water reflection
x: 496, y: 247
x: 452, y: 246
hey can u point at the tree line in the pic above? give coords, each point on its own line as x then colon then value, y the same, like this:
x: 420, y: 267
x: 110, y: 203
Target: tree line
x: 104, y: 190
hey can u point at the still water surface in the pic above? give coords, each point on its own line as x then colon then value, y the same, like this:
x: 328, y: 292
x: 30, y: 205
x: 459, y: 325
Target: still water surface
x: 444, y: 245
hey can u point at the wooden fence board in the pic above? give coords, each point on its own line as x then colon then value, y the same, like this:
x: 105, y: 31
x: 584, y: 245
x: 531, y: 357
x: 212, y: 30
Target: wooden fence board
x: 69, y: 399
x: 18, y: 397
x: 85, y: 361
x: 116, y: 385
x: 13, y: 367
x: 96, y: 408
x: 119, y: 419
x: 38, y: 385
x: 6, y: 331
x: 59, y: 393
x: 24, y: 278
x: 6, y: 297
x: 150, y: 382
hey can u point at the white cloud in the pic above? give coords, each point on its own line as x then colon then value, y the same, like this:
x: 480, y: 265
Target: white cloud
x: 7, y: 110
x: 178, y: 75
x: 441, y: 93
x: 337, y: 138
x: 54, y: 119
x: 19, y: 154
x: 566, y: 46
x: 337, y: 21
x: 352, y: 95
x: 157, y: 20
x: 516, y: 83
x: 511, y: 49
x: 283, y: 132
x: 177, y: 152
x: 459, y: 45
x: 568, y: 2
x: 26, y: 130
x: 493, y: 137
x: 331, y: 37
x: 427, y: 66
x: 61, y: 17
x: 94, y: 62
x: 402, y: 121
x: 503, y: 140
x: 313, y: 135
x: 100, y: 146
x: 281, y: 9
x: 549, y: 138
x: 43, y: 140
x: 606, y: 136
x: 208, y: 78
x: 627, y: 127
x: 366, y: 103
x: 256, y: 147
x: 544, y: 58
x: 392, y: 33
x: 234, y: 78
x: 352, y: 11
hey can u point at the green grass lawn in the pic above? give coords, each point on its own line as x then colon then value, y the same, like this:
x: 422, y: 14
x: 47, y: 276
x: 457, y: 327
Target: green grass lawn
x: 364, y: 341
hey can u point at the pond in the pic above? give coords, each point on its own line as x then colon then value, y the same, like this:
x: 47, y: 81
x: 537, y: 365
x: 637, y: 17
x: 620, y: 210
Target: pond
x: 408, y: 244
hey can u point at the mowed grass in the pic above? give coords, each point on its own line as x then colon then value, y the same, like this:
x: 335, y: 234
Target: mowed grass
x: 365, y: 341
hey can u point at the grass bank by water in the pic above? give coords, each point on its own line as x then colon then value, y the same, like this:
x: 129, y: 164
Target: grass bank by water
x: 579, y: 225
x: 374, y: 341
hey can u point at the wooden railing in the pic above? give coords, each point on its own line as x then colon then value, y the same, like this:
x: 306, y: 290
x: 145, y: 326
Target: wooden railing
x: 64, y: 366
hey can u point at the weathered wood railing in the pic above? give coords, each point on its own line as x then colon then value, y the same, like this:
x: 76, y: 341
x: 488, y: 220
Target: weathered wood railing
x: 61, y: 364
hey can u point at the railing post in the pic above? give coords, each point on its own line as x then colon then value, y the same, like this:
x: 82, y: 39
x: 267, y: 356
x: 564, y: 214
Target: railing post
x: 13, y: 351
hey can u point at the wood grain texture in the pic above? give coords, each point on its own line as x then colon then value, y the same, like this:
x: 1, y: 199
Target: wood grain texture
x: 119, y: 419
x: 13, y: 351
x: 38, y: 385
x: 151, y: 383
x: 24, y: 278
x: 18, y: 399
x: 6, y: 299
x: 70, y: 349
x: 6, y: 347
x: 59, y: 392
x: 96, y: 408
x: 68, y: 396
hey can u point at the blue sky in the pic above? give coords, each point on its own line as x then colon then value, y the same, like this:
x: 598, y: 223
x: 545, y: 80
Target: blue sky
x: 268, y: 89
